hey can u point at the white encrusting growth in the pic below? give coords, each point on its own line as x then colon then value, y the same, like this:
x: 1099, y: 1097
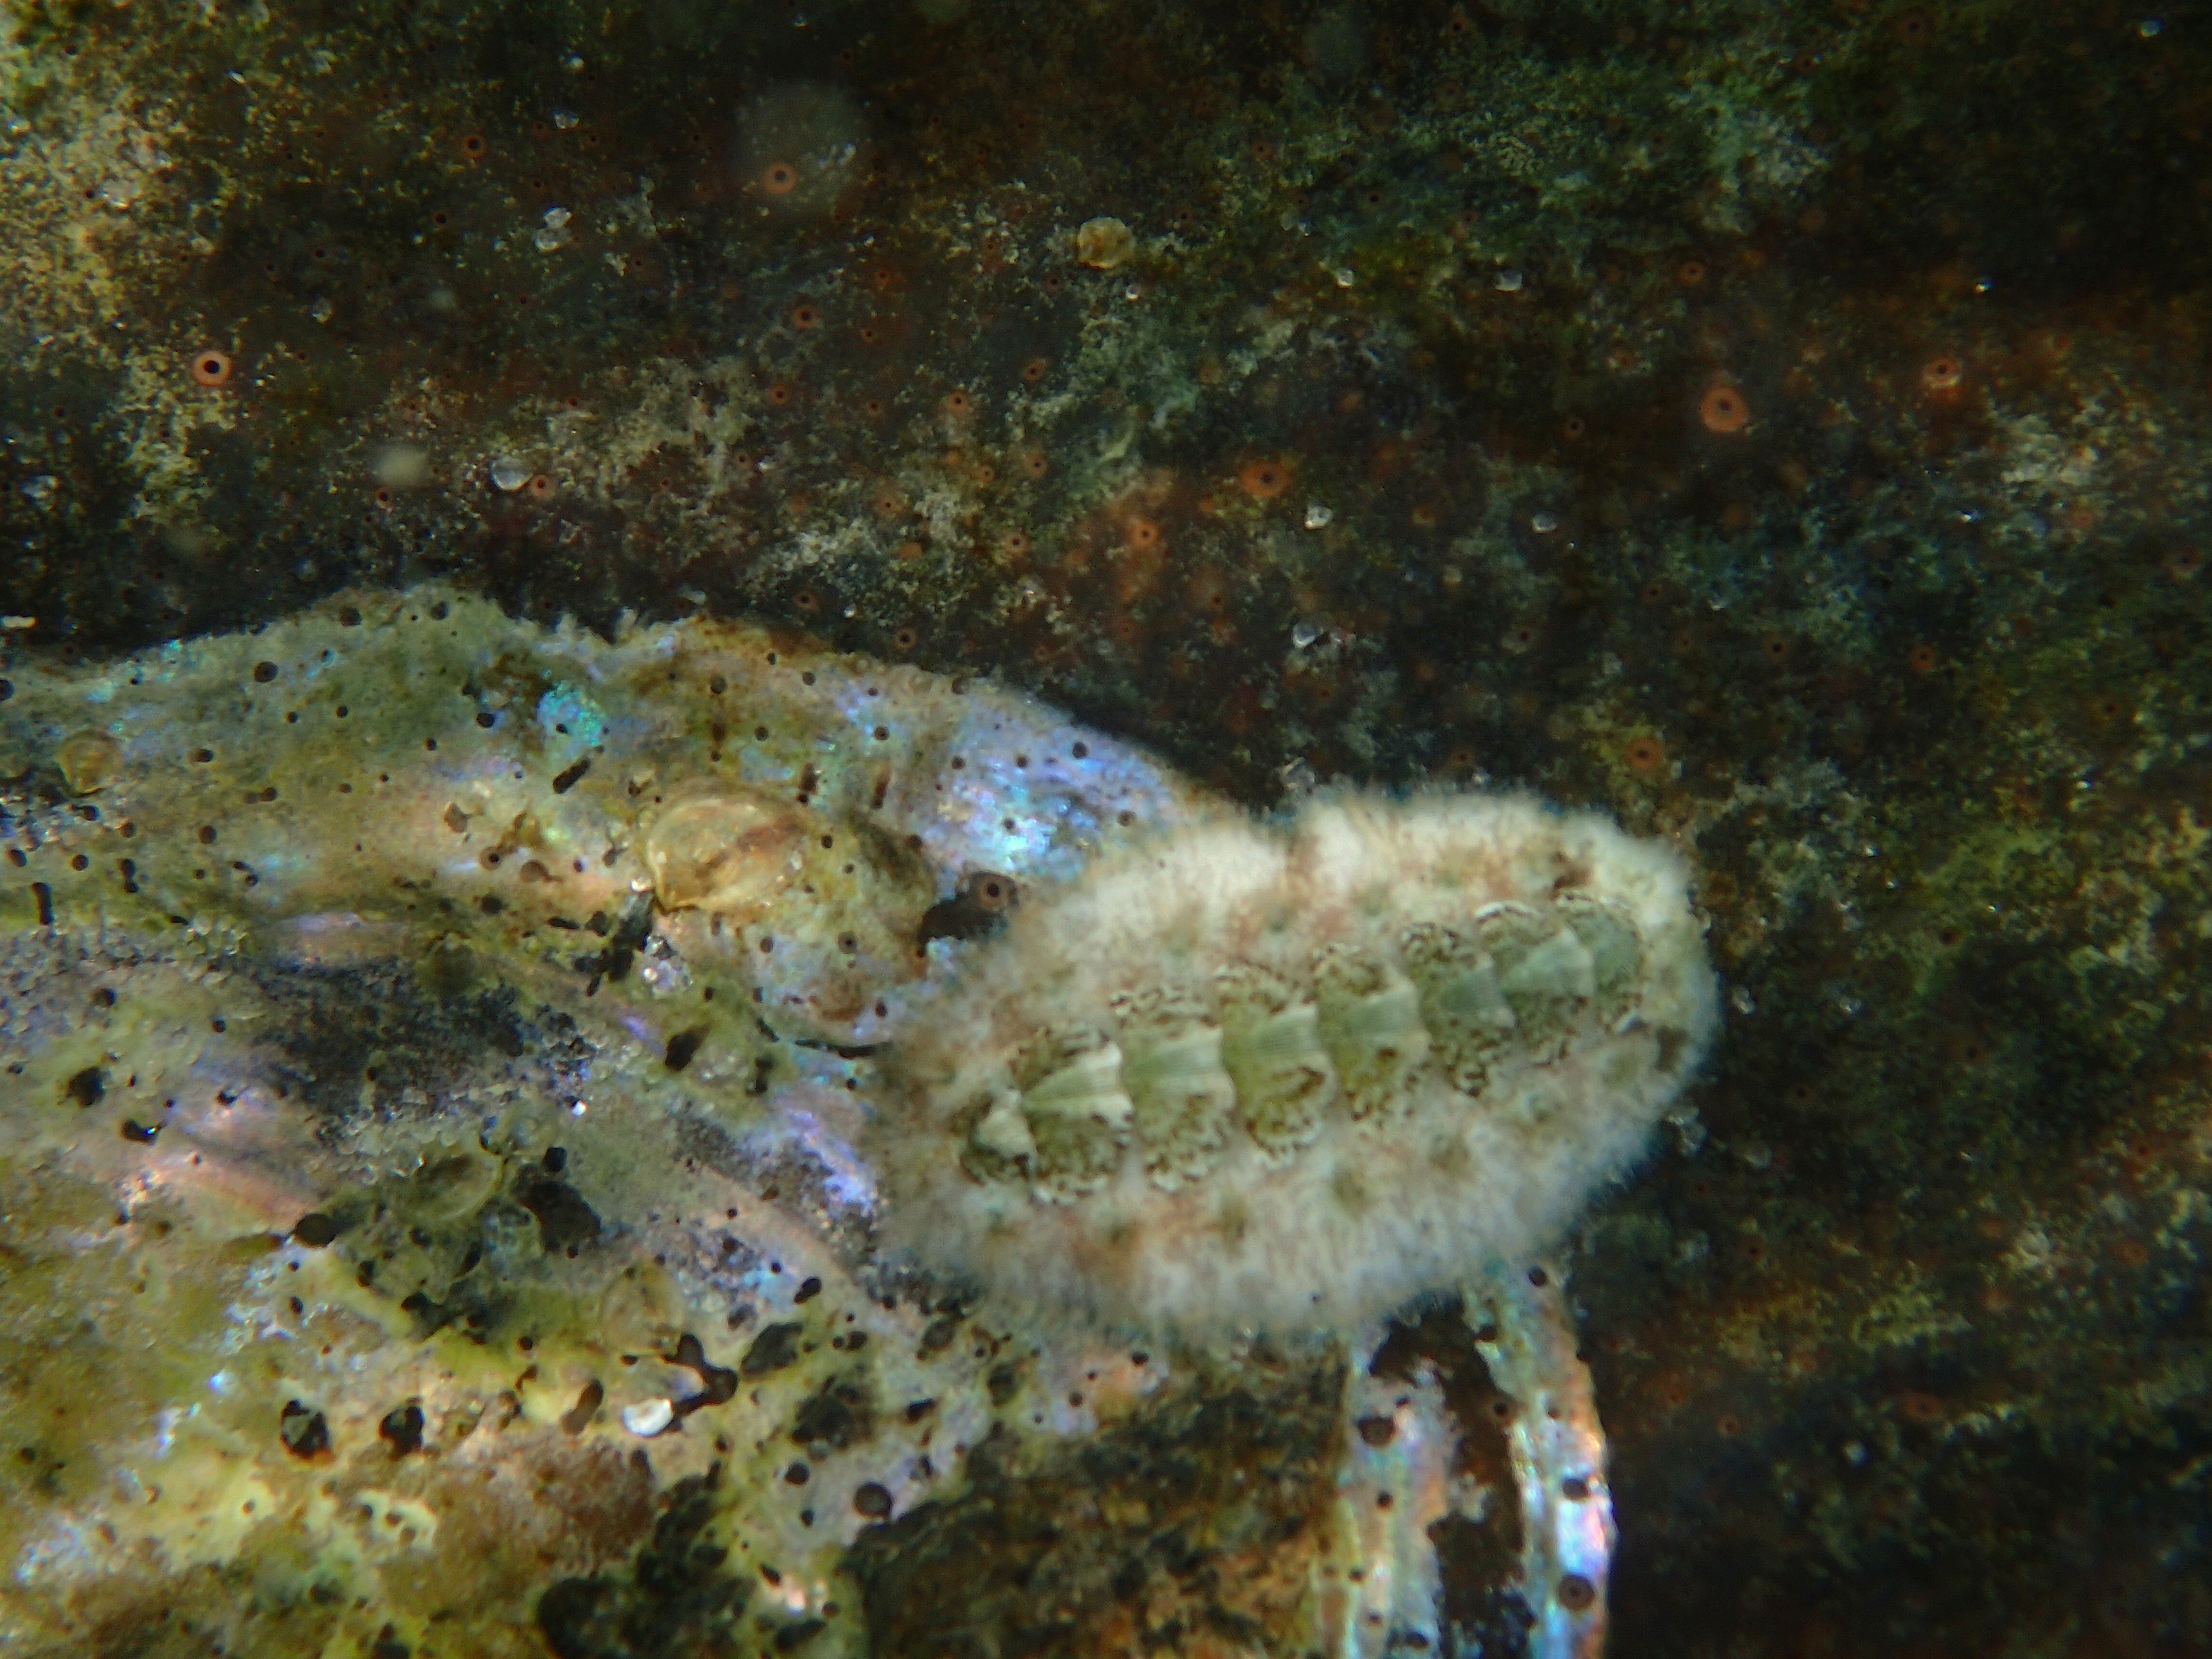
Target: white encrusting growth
x: 1238, y: 1078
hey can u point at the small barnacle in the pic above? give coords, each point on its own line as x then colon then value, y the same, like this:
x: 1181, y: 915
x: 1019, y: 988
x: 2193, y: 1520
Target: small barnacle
x: 729, y: 852
x: 453, y: 1182
x: 88, y: 761
x: 211, y: 368
x: 1104, y: 244
x: 642, y: 1309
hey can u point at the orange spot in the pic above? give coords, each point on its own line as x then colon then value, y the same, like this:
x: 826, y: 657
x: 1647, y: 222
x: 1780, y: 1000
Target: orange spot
x: 782, y: 393
x: 869, y: 334
x: 1573, y: 428
x: 1924, y: 659
x: 1032, y: 464
x: 805, y: 316
x: 1264, y: 480
x: 1034, y: 370
x: 1424, y: 517
x: 1015, y: 543
x: 1920, y: 1407
x: 887, y: 503
x: 905, y: 640
x: 872, y: 407
x: 958, y: 404
x: 473, y: 146
x: 1942, y: 373
x: 1775, y: 647
x: 1723, y: 409
x: 806, y: 601
x: 1691, y: 273
x: 1914, y: 28
x: 1645, y: 755
x: 2182, y: 563
x: 778, y: 178
x: 383, y: 498
x: 1144, y: 536
x: 540, y: 485
x: 211, y: 368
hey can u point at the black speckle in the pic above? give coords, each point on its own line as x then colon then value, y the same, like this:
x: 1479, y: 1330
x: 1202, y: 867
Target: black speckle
x: 567, y: 1614
x: 798, y: 1476
x: 45, y: 895
x: 873, y: 1501
x: 563, y: 1218
x: 315, y: 1229
x: 430, y: 1317
x: 835, y: 1417
x: 555, y: 1159
x: 774, y: 1348
x: 577, y: 1417
x: 683, y: 1047
x: 808, y: 1290
x: 1002, y: 1383
x: 566, y: 779
x: 717, y: 1383
x: 86, y: 1087
x: 264, y: 672
x: 978, y: 906
x: 402, y: 1429
x: 305, y: 1432
x: 134, y: 1130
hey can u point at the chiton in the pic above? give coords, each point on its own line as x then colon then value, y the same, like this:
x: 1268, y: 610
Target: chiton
x: 1250, y: 1077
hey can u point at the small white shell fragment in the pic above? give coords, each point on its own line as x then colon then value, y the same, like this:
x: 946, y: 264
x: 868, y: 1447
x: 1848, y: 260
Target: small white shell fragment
x: 648, y: 1418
